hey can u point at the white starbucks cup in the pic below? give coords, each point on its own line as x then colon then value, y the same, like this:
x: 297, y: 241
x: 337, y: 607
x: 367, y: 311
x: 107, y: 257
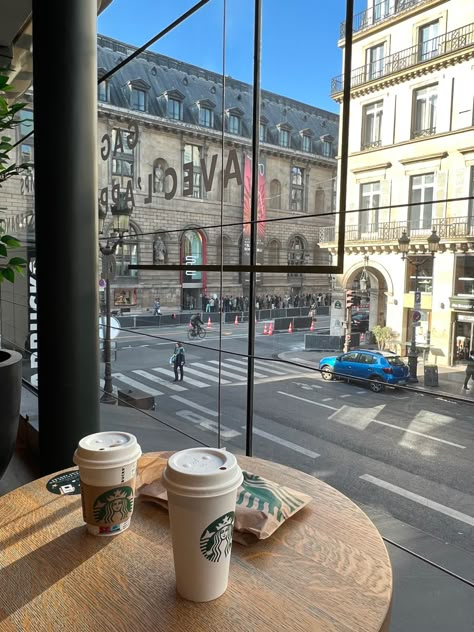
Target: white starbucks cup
x: 107, y: 468
x: 202, y: 485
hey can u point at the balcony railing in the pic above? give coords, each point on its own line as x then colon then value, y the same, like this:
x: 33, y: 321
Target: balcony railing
x: 409, y: 57
x: 371, y: 144
x: 378, y: 13
x: 384, y: 232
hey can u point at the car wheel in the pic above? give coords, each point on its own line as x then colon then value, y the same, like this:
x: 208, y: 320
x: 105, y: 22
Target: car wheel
x: 327, y: 373
x: 376, y: 385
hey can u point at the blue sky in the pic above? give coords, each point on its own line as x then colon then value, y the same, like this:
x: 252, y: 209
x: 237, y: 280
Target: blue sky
x: 299, y: 40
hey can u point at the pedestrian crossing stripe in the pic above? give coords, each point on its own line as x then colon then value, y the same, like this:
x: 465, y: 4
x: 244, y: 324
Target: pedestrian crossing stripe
x: 189, y: 380
x: 159, y: 380
x: 236, y: 368
x: 138, y: 385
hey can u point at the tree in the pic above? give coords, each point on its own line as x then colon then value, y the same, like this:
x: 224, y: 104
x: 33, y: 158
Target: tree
x: 8, y: 121
x: 383, y: 335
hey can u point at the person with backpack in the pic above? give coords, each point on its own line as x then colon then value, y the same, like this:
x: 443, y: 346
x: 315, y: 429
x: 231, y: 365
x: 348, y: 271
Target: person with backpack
x: 179, y: 360
x: 469, y: 370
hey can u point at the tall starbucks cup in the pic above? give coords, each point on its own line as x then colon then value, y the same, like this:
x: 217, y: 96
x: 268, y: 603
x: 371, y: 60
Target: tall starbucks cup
x: 107, y: 468
x: 202, y: 485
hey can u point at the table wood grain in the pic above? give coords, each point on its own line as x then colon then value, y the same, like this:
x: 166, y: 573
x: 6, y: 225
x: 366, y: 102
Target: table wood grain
x: 324, y: 570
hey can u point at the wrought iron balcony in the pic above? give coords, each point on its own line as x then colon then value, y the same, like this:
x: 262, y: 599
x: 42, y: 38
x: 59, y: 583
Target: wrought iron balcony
x: 385, y: 232
x: 378, y: 13
x: 409, y: 57
x: 421, y: 133
x: 371, y: 144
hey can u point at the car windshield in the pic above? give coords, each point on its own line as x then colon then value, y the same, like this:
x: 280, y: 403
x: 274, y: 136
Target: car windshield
x: 395, y: 360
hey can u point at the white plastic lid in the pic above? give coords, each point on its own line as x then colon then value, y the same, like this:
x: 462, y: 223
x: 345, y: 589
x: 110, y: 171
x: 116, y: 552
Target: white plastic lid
x: 106, y: 450
x: 202, y: 472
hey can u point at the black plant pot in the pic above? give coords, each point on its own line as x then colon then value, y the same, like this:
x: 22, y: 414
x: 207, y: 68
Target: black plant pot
x: 10, y: 398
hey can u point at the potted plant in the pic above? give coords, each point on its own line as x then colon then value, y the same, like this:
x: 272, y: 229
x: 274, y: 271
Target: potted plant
x: 10, y: 360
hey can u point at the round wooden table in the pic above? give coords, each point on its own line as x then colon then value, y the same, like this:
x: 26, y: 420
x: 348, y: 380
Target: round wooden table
x: 326, y: 569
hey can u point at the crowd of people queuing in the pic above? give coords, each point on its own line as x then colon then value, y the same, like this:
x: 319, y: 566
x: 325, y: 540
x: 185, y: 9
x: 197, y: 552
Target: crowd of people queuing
x: 241, y: 303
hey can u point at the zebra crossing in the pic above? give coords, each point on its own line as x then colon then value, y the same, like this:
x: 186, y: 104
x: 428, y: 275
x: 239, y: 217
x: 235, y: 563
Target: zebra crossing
x: 158, y: 381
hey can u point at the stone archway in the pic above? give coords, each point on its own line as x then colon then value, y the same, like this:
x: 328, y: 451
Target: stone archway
x: 379, y: 287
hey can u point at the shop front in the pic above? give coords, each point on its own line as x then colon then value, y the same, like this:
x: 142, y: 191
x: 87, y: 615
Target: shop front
x: 463, y: 328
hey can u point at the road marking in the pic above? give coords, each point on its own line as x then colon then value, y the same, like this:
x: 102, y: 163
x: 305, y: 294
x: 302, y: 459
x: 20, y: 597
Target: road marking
x: 261, y: 365
x: 189, y: 380
x: 208, y: 424
x: 287, y: 444
x: 138, y: 385
x: 327, y: 399
x: 420, y: 434
x: 236, y: 368
x: 203, y: 409
x: 307, y: 387
x: 310, y: 401
x: 159, y: 380
x: 214, y: 370
x: 431, y: 504
x: 346, y: 395
x: 361, y: 392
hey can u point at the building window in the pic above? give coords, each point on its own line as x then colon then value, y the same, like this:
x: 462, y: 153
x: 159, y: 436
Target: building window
x: 428, y: 41
x: 320, y: 200
x: 296, y: 254
x: 421, y: 201
x: 470, y: 211
x: 297, y: 188
x: 327, y: 148
x: 273, y: 253
x: 464, y: 283
x: 174, y: 109
x: 192, y: 153
x: 234, y: 124
x: 374, y: 62
x: 103, y: 91
x: 284, y: 138
x: 26, y: 153
x: 369, y: 207
x: 275, y: 194
x: 372, y: 125
x: 192, y: 254
x: 307, y: 143
x: 425, y: 274
x: 262, y: 133
x: 26, y: 122
x: 138, y: 99
x: 380, y: 9
x: 206, y: 117
x: 424, y: 111
x: 127, y: 254
x: 123, y: 162
x: 26, y: 148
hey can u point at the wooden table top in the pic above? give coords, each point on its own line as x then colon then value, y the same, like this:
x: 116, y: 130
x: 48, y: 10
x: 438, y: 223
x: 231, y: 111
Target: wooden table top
x: 326, y: 569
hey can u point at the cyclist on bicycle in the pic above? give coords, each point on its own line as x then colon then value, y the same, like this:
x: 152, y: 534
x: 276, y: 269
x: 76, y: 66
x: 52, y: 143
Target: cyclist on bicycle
x: 196, y: 323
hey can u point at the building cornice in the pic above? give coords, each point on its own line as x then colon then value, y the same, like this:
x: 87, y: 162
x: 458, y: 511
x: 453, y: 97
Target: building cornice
x: 438, y: 156
x: 378, y: 167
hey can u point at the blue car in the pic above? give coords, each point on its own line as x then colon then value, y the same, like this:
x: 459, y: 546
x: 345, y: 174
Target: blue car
x: 379, y: 367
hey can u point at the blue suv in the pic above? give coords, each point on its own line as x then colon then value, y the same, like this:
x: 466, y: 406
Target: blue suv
x: 380, y: 367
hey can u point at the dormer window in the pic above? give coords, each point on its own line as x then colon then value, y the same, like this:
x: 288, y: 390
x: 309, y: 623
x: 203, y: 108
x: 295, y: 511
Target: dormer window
x: 206, y: 112
x: 327, y: 145
x: 262, y: 130
x: 174, y: 104
x: 235, y: 121
x: 284, y: 134
x: 138, y: 93
x: 306, y: 140
x: 102, y: 88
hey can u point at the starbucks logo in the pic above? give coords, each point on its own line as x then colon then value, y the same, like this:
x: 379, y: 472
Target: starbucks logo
x: 113, y: 505
x: 216, y: 540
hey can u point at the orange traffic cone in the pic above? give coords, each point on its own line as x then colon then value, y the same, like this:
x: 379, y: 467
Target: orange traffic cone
x: 265, y: 330
x: 312, y: 326
x: 236, y: 322
x: 270, y: 329
x: 290, y: 328
x: 209, y: 323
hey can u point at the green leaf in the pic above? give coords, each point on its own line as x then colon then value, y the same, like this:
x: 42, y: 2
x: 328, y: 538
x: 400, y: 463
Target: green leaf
x: 10, y: 241
x: 17, y: 261
x: 3, y: 250
x: 8, y: 274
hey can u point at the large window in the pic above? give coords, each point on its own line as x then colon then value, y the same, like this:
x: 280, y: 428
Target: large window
x: 372, y: 125
x: 262, y: 133
x: 275, y: 194
x: 471, y: 199
x: 127, y: 254
x: 369, y: 205
x: 420, y: 274
x: 206, y: 117
x: 123, y: 162
x: 138, y: 99
x: 424, y: 111
x: 427, y: 41
x: 103, y: 91
x: 192, y: 154
x: 297, y: 188
x: 307, y: 143
x: 464, y: 279
x: 284, y: 138
x: 374, y: 61
x: 296, y: 255
x: 192, y: 254
x: 421, y: 201
x: 234, y: 124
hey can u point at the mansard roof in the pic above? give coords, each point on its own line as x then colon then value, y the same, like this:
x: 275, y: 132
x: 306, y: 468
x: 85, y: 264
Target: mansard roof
x: 197, y: 85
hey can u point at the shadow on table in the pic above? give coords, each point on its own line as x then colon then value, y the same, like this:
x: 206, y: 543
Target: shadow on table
x: 24, y: 580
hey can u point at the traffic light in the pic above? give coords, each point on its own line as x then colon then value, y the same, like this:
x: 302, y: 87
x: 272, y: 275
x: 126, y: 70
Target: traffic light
x: 349, y: 299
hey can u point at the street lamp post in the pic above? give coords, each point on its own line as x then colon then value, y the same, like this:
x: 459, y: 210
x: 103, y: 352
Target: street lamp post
x: 404, y: 247
x: 121, y: 219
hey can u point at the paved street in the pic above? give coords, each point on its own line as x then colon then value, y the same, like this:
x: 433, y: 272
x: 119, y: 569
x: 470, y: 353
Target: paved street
x: 405, y: 454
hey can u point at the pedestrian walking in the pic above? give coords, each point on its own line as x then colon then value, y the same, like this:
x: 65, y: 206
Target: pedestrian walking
x: 469, y: 370
x: 157, y: 307
x: 178, y: 361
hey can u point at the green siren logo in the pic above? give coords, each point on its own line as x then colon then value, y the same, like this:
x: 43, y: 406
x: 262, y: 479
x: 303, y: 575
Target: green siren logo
x: 113, y: 505
x: 216, y: 540
x: 258, y: 493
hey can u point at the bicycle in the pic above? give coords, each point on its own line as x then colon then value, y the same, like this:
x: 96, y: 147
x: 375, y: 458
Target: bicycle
x: 196, y: 332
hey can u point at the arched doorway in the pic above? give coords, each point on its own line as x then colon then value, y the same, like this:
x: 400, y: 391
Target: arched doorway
x: 370, y: 284
x: 193, y: 282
